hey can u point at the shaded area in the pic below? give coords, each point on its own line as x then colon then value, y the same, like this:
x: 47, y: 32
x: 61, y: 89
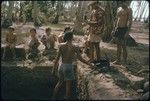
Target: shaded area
x: 29, y: 84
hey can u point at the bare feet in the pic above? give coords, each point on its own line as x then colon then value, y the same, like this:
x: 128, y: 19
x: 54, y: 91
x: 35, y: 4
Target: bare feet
x: 117, y: 62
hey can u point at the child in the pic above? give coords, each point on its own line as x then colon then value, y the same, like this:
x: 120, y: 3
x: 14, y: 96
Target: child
x: 11, y: 40
x: 67, y: 51
x: 33, y: 44
x: 86, y: 45
x: 48, y: 40
x: 60, y: 37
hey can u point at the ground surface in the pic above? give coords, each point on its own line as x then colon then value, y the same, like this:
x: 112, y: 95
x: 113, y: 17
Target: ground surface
x: 38, y: 83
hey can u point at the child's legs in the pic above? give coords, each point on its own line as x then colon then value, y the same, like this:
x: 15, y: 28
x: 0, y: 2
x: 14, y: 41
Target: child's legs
x: 4, y: 53
x: 119, y: 52
x: 124, y: 48
x: 13, y: 51
x: 96, y: 44
x: 91, y: 51
x: 68, y: 89
x: 57, y: 87
x: 69, y: 76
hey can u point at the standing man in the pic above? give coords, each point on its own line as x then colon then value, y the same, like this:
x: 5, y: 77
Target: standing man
x: 122, y: 26
x: 96, y: 28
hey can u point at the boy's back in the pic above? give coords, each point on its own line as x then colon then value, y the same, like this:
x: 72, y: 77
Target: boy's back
x: 68, y: 52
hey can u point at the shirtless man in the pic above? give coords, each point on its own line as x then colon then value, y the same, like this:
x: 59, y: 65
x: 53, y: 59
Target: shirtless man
x: 67, y: 51
x: 11, y: 40
x: 96, y: 28
x: 122, y: 26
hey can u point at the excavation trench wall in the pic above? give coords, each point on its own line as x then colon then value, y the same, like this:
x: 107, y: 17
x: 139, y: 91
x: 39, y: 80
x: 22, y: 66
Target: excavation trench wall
x: 38, y: 83
x: 93, y: 85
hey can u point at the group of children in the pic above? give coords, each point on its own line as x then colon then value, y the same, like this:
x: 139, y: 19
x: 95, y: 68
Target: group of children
x: 48, y: 40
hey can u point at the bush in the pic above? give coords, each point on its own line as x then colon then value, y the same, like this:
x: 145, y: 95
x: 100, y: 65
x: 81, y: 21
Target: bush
x: 37, y: 22
x: 6, y: 23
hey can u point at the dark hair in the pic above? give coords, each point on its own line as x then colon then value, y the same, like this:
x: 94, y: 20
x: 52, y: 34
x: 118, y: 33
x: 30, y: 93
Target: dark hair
x: 67, y: 28
x: 11, y: 28
x: 48, y: 29
x: 33, y: 29
x: 68, y: 36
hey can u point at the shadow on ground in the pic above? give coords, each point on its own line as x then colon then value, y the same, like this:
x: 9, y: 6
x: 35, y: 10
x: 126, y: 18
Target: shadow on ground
x: 28, y: 84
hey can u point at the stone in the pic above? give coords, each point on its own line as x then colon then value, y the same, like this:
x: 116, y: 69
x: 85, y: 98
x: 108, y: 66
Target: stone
x: 145, y: 96
x: 140, y: 90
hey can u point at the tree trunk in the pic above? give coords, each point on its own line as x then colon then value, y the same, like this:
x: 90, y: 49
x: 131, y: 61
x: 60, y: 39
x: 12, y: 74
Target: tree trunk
x: 35, y: 13
x: 58, y: 11
x: 8, y: 20
x: 21, y: 12
x: 10, y: 10
x: 79, y: 18
x: 108, y: 22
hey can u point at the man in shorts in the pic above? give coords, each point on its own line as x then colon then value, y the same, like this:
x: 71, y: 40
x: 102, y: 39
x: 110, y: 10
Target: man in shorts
x: 122, y: 25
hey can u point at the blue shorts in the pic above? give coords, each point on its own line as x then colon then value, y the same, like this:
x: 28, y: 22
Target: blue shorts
x: 66, y: 72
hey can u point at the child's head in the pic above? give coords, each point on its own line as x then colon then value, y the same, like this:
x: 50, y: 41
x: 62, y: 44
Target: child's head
x: 48, y: 31
x: 67, y: 29
x: 68, y: 36
x: 33, y: 32
x: 11, y: 29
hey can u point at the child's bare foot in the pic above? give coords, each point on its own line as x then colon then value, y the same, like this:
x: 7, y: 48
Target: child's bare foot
x: 117, y: 62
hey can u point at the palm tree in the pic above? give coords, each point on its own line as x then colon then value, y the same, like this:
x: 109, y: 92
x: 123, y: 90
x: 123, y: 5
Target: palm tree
x: 7, y: 16
x: 108, y: 21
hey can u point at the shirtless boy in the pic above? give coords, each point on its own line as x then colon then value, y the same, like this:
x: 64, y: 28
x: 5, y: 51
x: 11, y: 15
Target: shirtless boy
x: 48, y: 40
x: 11, y: 40
x: 67, y: 51
x: 34, y: 44
x: 122, y: 26
x: 60, y: 37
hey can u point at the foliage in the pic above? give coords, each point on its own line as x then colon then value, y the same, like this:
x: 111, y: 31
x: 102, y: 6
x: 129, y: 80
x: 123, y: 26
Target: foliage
x: 6, y: 23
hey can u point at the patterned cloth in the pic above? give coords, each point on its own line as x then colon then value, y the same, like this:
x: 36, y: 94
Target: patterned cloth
x: 97, y: 16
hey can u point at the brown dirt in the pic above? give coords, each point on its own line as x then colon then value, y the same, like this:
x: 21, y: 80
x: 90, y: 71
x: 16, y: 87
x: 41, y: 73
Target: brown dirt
x: 136, y: 61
